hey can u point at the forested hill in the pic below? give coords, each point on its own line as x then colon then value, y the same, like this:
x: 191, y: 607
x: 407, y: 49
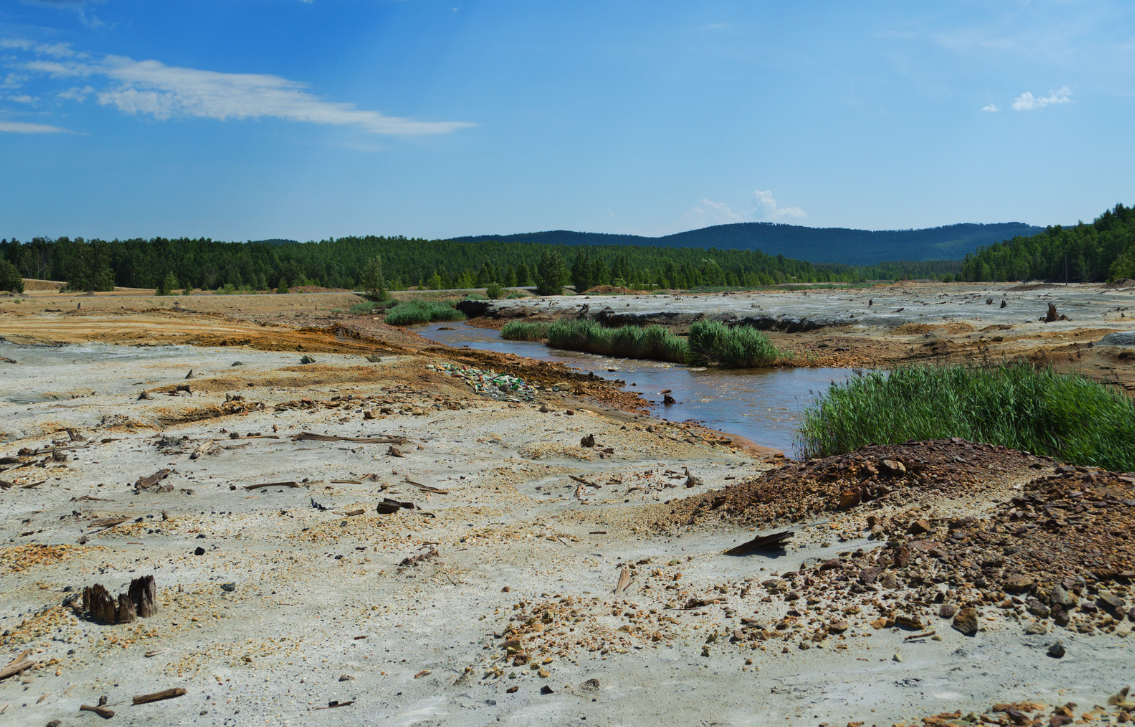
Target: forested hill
x: 1102, y: 250
x: 812, y: 244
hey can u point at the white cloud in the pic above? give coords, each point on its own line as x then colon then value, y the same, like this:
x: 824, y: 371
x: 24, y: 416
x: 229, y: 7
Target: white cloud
x: 764, y: 202
x: 709, y: 213
x: 151, y: 88
x: 990, y: 108
x: 1027, y: 102
x: 24, y: 127
x: 24, y: 98
x: 14, y: 80
x: 77, y: 94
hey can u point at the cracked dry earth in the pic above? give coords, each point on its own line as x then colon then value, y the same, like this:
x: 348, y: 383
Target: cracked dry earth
x: 371, y: 542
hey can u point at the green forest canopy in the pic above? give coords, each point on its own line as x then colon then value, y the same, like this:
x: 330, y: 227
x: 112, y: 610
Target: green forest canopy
x: 1102, y: 250
x: 435, y: 264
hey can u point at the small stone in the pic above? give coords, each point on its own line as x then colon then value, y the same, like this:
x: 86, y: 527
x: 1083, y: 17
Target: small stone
x: 893, y: 467
x: 591, y: 685
x: 199, y: 551
x: 543, y: 673
x: 919, y: 527
x: 1038, y: 609
x: 547, y: 690
x: 506, y: 589
x: 966, y: 621
x: 897, y: 657
x: 889, y: 581
x: 947, y: 610
x: 1018, y: 583
x: 1036, y: 629
x: 1110, y: 601
x: 228, y: 587
x: 908, y: 622
x: 838, y: 627
x: 512, y: 690
x: 1056, y: 651
x: 345, y: 677
x: 1061, y: 597
x: 705, y: 651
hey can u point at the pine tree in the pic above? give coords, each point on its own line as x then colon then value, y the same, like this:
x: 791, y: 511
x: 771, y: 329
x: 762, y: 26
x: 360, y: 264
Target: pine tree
x: 550, y: 273
x: 372, y: 280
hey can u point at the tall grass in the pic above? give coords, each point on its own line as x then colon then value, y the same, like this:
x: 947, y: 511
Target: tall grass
x: 1065, y: 416
x: 739, y: 347
x: 371, y: 305
x: 650, y: 342
x: 523, y: 331
x: 422, y: 311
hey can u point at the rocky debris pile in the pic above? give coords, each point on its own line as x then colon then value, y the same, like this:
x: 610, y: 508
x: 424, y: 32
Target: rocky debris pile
x: 1119, y: 706
x: 896, y: 474
x: 1058, y: 554
x: 488, y: 382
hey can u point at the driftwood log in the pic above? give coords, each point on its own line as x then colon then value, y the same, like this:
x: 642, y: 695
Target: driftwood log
x: 139, y: 600
x: 764, y: 542
x: 159, y: 696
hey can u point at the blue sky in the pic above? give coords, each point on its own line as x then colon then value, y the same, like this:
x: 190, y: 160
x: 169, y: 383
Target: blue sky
x: 251, y: 119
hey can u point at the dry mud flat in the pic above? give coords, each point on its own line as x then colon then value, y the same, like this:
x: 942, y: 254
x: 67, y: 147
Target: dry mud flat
x: 532, y: 579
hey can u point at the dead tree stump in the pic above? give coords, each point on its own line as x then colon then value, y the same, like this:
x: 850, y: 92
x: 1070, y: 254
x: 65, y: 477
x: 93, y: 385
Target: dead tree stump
x: 99, y: 602
x: 139, y: 600
x: 143, y: 593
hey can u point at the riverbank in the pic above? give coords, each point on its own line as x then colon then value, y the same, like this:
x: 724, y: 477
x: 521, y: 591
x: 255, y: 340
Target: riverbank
x: 881, y: 326
x: 559, y: 560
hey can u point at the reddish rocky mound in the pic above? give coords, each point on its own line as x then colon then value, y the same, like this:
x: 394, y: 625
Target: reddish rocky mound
x: 609, y: 290
x: 892, y: 474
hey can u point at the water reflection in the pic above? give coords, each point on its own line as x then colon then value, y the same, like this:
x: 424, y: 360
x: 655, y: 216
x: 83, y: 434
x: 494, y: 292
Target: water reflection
x: 763, y: 405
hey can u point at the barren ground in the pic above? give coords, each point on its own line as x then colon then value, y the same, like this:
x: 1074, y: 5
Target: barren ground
x: 496, y: 596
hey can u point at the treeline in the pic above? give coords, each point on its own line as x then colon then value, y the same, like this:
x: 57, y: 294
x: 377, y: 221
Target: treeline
x: 434, y: 264
x: 1102, y: 250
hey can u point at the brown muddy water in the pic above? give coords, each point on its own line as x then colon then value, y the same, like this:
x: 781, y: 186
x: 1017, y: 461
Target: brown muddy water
x: 761, y: 405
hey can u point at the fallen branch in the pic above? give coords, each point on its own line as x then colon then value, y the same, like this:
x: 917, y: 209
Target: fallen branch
x: 333, y: 705
x: 107, y: 522
x: 159, y: 696
x: 919, y: 636
x: 308, y: 436
x: 103, y: 712
x: 426, y: 488
x: 583, y: 481
x: 775, y: 541
x: 272, y: 484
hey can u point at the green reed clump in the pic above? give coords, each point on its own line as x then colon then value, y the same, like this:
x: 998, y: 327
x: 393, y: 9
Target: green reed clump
x: 649, y: 342
x: 522, y: 331
x: 737, y: 347
x: 422, y: 311
x: 1065, y: 416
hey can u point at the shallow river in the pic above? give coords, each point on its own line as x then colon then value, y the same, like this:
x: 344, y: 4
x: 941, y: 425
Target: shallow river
x: 762, y: 405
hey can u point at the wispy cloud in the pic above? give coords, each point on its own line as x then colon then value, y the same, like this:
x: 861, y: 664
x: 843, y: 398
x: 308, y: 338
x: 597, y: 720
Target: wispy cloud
x: 25, y: 127
x: 765, y: 204
x: 151, y: 88
x: 708, y: 213
x: 79, y: 6
x: 1027, y: 102
x: 990, y: 108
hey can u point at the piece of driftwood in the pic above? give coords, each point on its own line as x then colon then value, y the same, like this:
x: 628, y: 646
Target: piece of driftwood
x: 107, y: 522
x: 272, y: 484
x: 159, y: 696
x: 18, y: 665
x: 333, y: 705
x: 346, y: 482
x: 389, y: 507
x: 202, y: 449
x: 310, y: 437
x: 104, y: 712
x: 582, y: 481
x: 145, y: 483
x: 774, y: 541
x: 352, y: 513
x: 394, y: 452
x: 426, y: 488
x: 624, y: 580
x: 155, y: 652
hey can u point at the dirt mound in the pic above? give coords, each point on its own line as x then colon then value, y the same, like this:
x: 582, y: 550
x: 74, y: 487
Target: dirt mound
x: 1032, y: 286
x: 32, y: 285
x: 891, y: 474
x: 609, y: 290
x: 1120, y: 283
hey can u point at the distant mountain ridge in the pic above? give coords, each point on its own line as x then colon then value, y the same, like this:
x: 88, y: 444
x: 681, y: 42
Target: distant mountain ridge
x: 811, y: 244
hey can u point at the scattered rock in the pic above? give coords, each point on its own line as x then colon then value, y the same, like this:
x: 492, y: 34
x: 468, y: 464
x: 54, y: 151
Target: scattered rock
x: 966, y: 621
x: 1056, y: 651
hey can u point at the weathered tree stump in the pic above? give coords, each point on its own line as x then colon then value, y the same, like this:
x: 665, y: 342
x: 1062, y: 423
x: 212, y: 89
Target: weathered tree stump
x: 143, y: 593
x: 100, y: 603
x: 139, y: 600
